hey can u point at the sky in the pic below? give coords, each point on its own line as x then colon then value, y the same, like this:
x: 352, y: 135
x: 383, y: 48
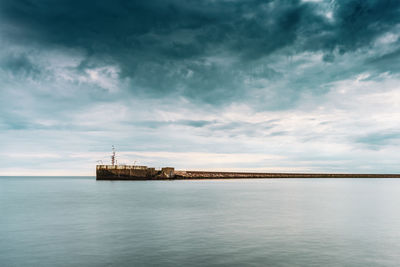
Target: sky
x: 241, y: 85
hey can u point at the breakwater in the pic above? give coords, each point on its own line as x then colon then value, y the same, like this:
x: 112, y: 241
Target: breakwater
x: 249, y: 175
x: 124, y: 172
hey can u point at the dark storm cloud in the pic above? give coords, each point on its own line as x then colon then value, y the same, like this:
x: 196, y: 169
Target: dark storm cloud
x: 172, y: 29
x: 203, y: 50
x: 355, y: 24
x: 360, y: 22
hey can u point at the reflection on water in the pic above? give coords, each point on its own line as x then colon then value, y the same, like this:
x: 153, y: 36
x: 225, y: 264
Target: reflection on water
x: 309, y: 222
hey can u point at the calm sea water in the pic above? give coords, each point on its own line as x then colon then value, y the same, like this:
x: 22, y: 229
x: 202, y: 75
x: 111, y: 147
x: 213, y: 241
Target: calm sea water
x: 67, y: 221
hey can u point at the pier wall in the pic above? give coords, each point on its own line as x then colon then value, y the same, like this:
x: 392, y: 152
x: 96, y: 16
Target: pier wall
x: 126, y: 172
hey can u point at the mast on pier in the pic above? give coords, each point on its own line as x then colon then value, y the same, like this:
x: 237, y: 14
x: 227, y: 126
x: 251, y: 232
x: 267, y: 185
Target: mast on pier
x: 113, y: 156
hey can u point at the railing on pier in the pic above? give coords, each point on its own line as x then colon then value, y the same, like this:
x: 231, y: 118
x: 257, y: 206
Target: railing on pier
x: 120, y: 167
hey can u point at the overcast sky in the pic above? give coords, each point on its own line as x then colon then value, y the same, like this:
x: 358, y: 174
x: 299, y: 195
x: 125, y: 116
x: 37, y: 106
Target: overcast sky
x: 214, y: 84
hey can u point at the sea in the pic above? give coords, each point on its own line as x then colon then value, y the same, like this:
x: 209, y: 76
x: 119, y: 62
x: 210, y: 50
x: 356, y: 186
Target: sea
x: 78, y: 221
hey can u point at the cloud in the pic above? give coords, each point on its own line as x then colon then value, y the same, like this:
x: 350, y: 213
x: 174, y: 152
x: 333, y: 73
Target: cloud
x: 20, y: 65
x: 376, y: 140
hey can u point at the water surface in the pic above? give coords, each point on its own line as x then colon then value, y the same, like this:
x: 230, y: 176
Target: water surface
x: 78, y: 221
